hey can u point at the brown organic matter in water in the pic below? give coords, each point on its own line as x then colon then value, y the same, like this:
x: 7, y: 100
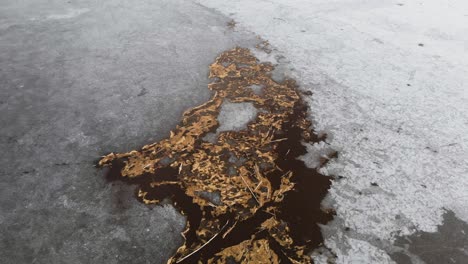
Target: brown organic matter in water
x: 246, y: 196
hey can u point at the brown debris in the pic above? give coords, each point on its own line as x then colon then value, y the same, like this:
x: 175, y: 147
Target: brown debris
x: 231, y: 24
x: 248, y: 251
x: 227, y: 193
x: 264, y: 46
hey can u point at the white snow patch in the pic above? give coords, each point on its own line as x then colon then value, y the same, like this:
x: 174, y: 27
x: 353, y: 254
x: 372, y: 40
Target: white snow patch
x: 235, y: 116
x: 390, y: 84
x: 316, y: 152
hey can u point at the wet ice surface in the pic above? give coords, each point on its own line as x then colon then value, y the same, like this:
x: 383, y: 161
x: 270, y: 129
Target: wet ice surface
x: 389, y: 83
x: 81, y: 79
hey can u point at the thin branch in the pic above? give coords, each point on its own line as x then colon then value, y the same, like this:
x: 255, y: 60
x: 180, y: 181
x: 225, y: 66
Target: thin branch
x: 202, y: 246
x: 253, y: 194
x: 277, y: 140
x: 229, y: 230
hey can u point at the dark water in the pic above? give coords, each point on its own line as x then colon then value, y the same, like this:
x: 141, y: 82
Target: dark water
x: 300, y: 209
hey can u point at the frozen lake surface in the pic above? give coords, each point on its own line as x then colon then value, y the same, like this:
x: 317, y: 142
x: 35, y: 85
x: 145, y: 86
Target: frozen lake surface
x: 79, y: 79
